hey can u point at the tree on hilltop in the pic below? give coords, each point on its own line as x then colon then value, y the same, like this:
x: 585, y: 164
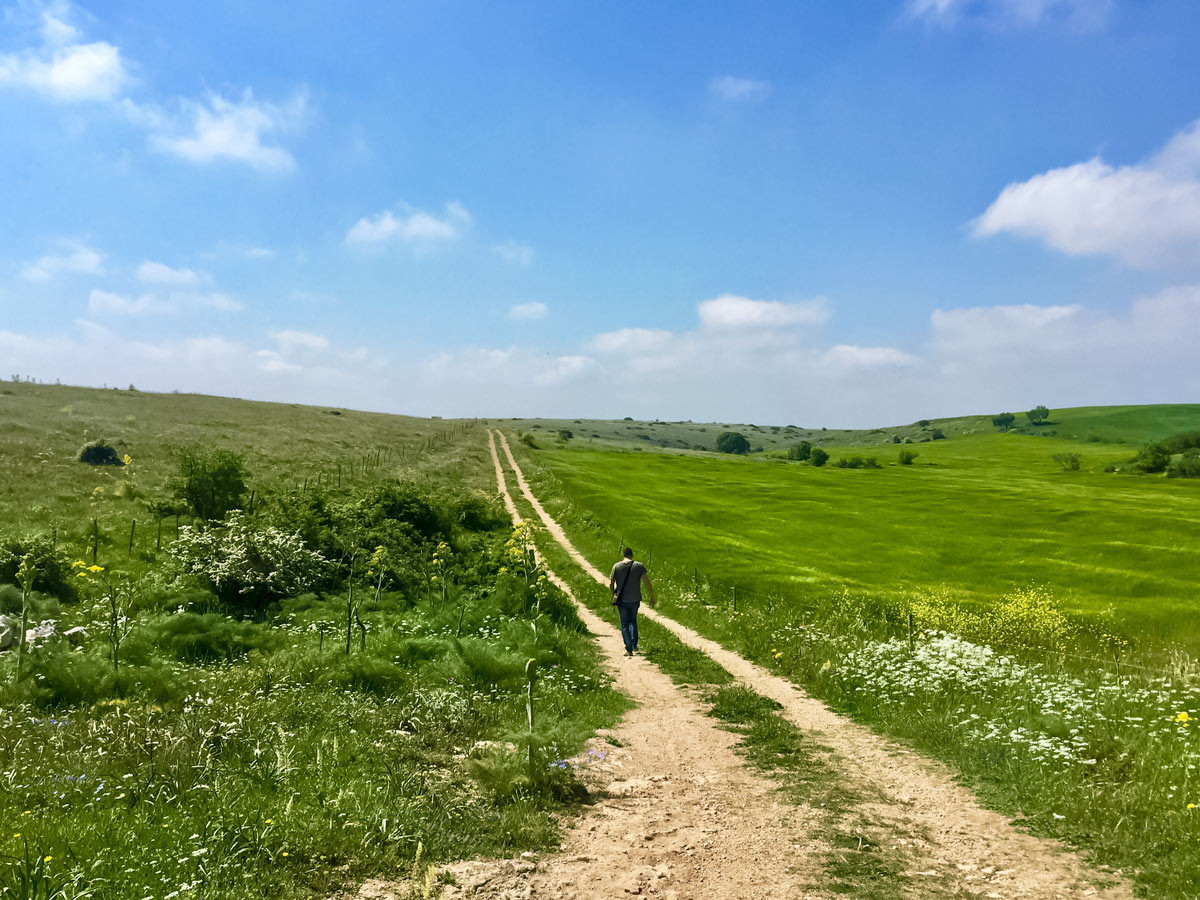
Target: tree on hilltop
x: 732, y: 442
x: 1038, y: 414
x: 1004, y: 421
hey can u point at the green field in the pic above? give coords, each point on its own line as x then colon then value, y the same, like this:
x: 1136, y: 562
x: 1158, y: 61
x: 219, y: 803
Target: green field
x: 980, y: 514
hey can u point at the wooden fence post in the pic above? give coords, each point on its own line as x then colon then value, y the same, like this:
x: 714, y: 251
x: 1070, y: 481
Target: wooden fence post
x: 132, y: 530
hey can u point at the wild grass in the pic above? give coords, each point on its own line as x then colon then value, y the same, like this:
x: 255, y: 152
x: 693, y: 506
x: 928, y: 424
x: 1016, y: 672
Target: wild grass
x: 246, y: 751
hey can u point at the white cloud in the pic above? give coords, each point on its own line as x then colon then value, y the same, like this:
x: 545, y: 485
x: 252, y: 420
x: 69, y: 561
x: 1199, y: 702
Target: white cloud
x: 1146, y: 214
x: 81, y: 259
x: 1020, y: 12
x: 411, y: 226
x: 159, y: 273
x: 107, y: 303
x: 847, y: 356
x: 731, y: 89
x: 220, y: 129
x: 631, y: 340
x: 206, y: 363
x: 730, y: 311
x: 62, y: 68
x: 514, y: 252
x: 291, y: 342
x: 102, y: 303
x: 970, y: 361
x: 528, y: 311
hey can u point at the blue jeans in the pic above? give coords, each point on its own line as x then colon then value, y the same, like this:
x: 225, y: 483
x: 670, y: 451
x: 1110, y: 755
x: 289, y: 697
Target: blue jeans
x: 628, y: 613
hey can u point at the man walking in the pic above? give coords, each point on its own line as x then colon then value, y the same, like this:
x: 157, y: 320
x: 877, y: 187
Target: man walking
x: 625, y: 582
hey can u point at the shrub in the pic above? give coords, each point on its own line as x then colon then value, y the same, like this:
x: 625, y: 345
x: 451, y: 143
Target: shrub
x: 210, y: 482
x: 800, y: 451
x: 527, y: 440
x: 53, y: 574
x: 819, y: 457
x: 1004, y: 421
x: 404, y: 502
x: 937, y: 434
x: 1187, y: 467
x: 924, y: 423
x: 209, y: 637
x: 1038, y: 415
x: 1179, y: 442
x: 1068, y: 461
x: 247, y: 566
x: 732, y: 442
x: 98, y: 453
x: 62, y: 677
x: 907, y: 457
x: 478, y: 513
x: 1152, y: 458
x: 857, y: 462
x: 565, y: 434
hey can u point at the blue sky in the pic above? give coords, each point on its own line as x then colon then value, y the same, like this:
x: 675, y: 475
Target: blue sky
x: 817, y: 213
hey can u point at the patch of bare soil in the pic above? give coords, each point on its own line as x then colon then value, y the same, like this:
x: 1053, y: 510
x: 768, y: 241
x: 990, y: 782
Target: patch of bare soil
x: 957, y: 843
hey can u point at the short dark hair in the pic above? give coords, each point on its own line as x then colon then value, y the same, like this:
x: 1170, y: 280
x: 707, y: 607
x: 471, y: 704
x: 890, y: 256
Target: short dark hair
x: 628, y: 553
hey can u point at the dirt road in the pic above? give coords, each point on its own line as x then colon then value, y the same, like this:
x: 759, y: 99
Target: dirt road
x: 680, y: 815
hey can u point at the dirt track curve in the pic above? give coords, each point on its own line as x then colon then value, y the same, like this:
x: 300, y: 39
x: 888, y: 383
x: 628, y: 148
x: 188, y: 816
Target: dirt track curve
x: 680, y: 815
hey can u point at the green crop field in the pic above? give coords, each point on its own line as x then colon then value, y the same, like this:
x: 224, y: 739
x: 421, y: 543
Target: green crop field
x: 979, y: 514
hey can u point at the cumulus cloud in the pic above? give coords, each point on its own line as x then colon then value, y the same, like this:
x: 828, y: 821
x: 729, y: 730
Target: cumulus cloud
x: 218, y: 129
x: 528, y: 311
x: 514, y: 252
x: 848, y: 356
x: 62, y: 68
x: 631, y: 340
x: 1019, y: 12
x: 1147, y: 214
x: 730, y: 311
x: 159, y: 273
x: 412, y: 226
x: 730, y: 89
x: 290, y: 341
x: 107, y: 303
x: 93, y: 353
x: 970, y: 360
x: 78, y: 258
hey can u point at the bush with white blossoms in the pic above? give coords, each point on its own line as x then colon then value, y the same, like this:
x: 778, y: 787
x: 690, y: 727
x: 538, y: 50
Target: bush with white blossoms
x: 248, y: 563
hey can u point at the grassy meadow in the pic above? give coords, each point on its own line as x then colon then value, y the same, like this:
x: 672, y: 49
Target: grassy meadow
x: 326, y: 686
x: 979, y: 515
x: 1050, y: 657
